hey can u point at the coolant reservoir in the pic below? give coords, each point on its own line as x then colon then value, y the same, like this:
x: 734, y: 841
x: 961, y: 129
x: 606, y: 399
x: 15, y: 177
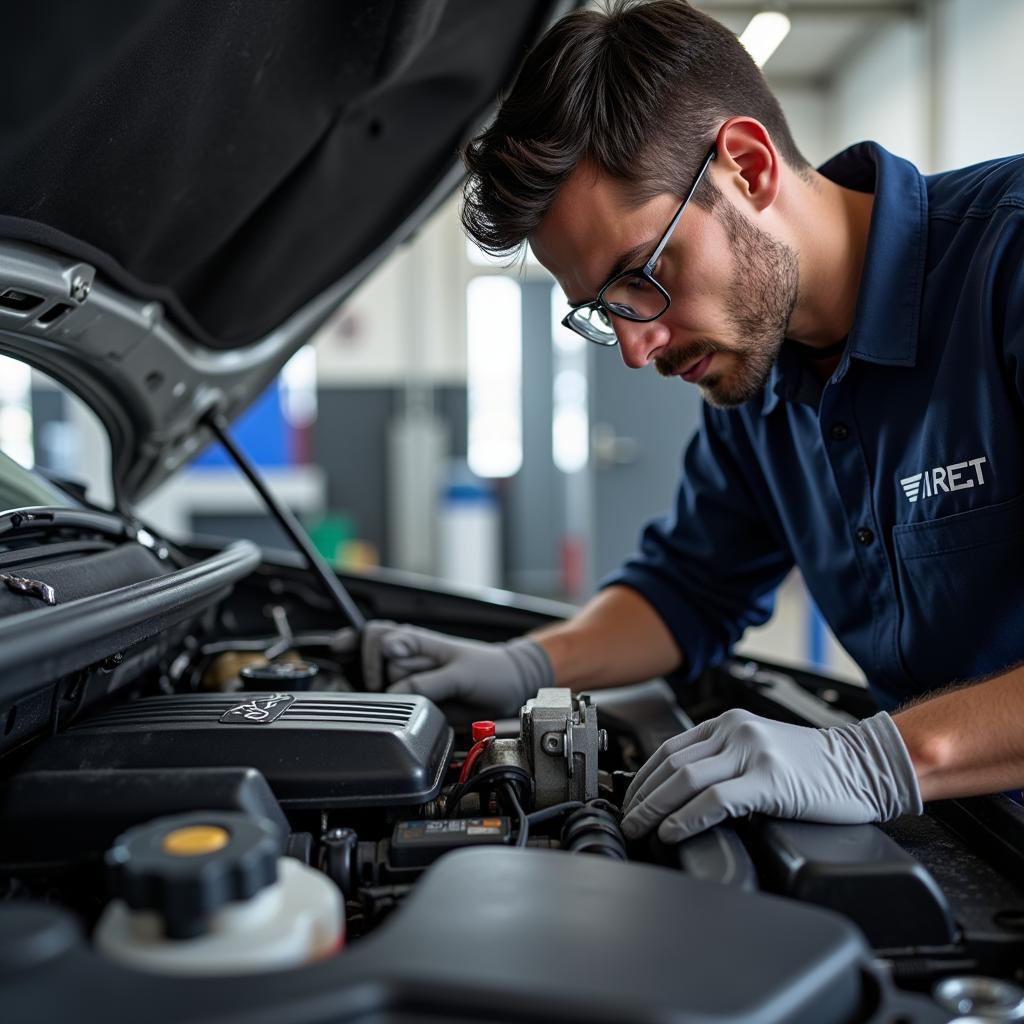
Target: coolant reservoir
x: 209, y: 893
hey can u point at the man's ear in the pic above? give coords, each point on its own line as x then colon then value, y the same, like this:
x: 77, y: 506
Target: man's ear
x: 750, y: 161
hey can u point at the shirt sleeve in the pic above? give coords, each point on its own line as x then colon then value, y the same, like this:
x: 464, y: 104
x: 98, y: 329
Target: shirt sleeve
x: 711, y: 568
x: 1008, y: 305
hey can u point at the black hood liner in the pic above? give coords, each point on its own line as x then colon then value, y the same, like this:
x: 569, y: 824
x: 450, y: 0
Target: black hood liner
x: 234, y: 159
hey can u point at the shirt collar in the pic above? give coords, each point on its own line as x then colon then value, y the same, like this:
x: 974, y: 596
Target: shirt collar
x: 790, y: 379
x: 887, y: 315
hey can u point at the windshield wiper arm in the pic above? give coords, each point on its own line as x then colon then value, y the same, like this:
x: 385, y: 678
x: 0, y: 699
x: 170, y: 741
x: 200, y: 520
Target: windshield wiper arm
x: 44, y: 518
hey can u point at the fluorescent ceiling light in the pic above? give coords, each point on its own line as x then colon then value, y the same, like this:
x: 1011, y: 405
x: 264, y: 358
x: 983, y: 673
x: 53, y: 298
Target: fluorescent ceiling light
x: 763, y: 35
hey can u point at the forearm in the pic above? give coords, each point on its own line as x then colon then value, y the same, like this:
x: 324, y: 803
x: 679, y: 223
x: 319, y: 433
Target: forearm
x: 968, y: 741
x: 616, y: 638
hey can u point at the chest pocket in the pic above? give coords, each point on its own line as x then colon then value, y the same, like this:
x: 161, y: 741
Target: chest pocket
x: 961, y: 582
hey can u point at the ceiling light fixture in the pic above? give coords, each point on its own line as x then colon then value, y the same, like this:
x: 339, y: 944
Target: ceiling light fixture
x: 763, y: 35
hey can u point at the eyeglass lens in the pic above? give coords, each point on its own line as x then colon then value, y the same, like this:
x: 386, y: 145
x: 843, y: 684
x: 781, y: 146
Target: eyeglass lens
x: 634, y: 297
x: 593, y: 323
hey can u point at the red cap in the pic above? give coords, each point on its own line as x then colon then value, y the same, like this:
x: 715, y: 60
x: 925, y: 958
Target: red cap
x: 481, y: 730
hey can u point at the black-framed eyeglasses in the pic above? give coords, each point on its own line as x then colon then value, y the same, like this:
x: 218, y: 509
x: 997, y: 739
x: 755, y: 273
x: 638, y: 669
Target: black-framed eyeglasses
x: 631, y: 294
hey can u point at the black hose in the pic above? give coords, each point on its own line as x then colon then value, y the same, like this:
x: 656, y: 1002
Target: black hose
x: 595, y: 829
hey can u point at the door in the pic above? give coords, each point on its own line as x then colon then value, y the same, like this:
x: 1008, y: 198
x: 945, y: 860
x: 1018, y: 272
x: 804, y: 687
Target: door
x: 639, y: 424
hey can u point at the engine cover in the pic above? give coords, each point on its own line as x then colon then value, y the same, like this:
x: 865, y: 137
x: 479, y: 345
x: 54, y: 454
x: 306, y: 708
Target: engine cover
x: 316, y: 749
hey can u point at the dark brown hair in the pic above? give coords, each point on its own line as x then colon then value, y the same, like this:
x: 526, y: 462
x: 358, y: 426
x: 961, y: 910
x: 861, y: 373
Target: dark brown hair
x: 639, y: 89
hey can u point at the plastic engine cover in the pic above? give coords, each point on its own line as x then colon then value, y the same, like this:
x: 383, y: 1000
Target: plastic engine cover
x: 524, y: 936
x: 316, y: 749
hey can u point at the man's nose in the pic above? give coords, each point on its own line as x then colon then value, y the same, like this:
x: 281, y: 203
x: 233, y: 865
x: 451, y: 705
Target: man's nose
x: 640, y: 342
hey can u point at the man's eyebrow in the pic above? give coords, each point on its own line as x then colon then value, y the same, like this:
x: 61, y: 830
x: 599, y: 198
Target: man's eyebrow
x: 625, y: 261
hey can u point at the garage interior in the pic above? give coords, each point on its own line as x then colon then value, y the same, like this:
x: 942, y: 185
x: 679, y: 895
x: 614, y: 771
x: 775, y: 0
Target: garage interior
x: 494, y: 450
x: 467, y: 464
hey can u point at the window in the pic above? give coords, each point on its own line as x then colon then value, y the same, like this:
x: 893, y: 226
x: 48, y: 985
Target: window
x: 570, y: 427
x: 15, y: 411
x: 494, y: 375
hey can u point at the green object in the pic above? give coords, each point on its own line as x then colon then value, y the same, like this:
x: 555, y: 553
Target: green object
x: 331, y: 535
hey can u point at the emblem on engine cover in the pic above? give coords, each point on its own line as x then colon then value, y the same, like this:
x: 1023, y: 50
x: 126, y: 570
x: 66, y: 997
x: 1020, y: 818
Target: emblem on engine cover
x: 259, y: 710
x: 30, y: 588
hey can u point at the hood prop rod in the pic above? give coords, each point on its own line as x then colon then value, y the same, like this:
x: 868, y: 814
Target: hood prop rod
x: 335, y: 589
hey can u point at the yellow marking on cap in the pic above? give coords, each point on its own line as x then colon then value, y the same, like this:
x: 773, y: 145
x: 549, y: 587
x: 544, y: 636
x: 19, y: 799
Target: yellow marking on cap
x: 195, y: 840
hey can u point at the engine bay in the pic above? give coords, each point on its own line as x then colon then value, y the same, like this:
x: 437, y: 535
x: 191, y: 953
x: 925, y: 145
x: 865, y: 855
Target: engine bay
x: 224, y: 801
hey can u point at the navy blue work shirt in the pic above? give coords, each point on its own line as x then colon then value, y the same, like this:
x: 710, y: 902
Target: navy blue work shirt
x: 898, y: 486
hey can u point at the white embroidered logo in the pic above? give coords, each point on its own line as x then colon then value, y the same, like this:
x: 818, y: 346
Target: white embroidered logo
x: 944, y: 478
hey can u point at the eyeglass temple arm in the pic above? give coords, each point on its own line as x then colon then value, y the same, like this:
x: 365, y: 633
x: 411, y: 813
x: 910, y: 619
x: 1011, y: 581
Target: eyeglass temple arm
x: 649, y: 265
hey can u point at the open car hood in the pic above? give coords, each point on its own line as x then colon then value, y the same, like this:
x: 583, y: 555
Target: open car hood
x: 188, y: 190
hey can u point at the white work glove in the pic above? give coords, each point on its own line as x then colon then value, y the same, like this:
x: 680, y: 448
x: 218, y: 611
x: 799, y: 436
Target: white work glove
x: 739, y: 763
x: 498, y: 678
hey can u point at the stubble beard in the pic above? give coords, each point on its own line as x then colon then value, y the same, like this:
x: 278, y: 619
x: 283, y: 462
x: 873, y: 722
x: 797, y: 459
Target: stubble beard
x: 765, y: 283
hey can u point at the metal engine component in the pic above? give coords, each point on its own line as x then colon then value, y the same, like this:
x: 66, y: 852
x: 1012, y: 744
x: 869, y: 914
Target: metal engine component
x: 979, y: 998
x: 558, y: 744
x: 562, y: 742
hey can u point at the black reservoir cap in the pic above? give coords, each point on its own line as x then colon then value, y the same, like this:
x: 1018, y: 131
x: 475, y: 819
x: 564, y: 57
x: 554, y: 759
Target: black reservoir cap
x: 284, y: 675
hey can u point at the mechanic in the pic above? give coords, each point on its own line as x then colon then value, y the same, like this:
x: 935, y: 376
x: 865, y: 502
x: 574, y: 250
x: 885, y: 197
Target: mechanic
x: 857, y: 333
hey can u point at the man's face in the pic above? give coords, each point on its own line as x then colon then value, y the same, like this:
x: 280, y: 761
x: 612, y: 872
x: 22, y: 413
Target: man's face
x: 733, y: 286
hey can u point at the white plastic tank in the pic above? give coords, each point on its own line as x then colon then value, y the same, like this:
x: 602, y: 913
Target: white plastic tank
x: 470, y: 532
x: 209, y: 893
x: 298, y: 919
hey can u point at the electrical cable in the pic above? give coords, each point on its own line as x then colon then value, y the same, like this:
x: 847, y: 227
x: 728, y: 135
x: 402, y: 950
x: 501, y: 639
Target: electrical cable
x: 554, y: 811
x: 523, y: 834
x: 494, y: 775
x: 471, y: 757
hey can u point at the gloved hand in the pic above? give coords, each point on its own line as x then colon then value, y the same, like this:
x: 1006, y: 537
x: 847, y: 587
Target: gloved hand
x: 739, y: 762
x: 497, y: 677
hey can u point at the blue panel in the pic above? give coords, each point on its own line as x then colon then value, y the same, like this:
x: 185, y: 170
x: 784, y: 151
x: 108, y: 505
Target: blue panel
x: 262, y: 432
x: 816, y: 638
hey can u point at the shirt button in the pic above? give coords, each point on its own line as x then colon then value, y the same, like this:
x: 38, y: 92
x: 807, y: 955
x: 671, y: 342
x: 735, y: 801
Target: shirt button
x: 864, y: 536
x: 840, y: 432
